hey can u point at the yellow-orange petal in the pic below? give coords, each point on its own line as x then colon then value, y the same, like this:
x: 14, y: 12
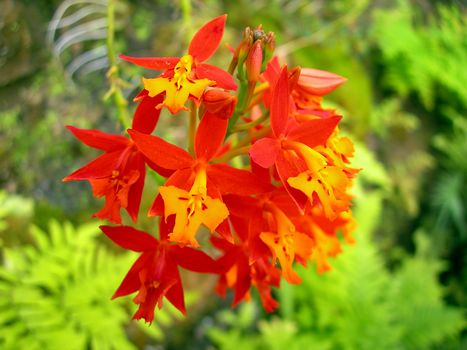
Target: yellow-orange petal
x: 286, y: 243
x: 192, y: 211
x: 156, y: 86
x: 175, y: 98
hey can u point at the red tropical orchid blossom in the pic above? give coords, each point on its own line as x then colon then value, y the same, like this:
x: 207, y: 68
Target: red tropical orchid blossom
x: 193, y: 192
x: 155, y: 273
x: 118, y: 174
x: 290, y: 147
x: 267, y: 173
x: 187, y: 76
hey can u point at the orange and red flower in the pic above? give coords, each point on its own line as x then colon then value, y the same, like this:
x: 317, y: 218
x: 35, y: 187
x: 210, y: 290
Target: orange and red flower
x: 282, y: 201
x: 187, y: 76
x: 155, y: 274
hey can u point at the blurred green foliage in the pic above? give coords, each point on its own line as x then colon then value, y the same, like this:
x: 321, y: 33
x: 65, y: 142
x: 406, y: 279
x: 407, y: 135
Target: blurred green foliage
x: 55, y: 295
x: 402, y: 284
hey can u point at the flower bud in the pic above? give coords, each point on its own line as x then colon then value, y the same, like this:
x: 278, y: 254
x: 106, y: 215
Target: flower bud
x: 258, y: 33
x: 219, y: 102
x: 243, y: 49
x: 319, y: 82
x: 254, y: 62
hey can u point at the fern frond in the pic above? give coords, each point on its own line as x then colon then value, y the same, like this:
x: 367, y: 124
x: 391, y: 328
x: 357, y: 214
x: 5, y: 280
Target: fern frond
x: 56, y: 295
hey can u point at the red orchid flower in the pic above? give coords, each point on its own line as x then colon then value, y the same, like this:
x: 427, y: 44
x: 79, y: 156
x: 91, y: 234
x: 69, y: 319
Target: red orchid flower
x: 194, y: 190
x: 187, y: 76
x: 155, y: 274
x: 118, y: 174
x: 289, y: 139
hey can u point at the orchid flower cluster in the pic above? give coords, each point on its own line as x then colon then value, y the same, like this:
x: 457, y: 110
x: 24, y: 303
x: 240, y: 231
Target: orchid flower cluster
x: 264, y: 182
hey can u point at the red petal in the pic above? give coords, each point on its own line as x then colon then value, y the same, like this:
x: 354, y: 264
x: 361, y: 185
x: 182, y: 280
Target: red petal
x: 287, y: 168
x: 193, y: 260
x: 142, y: 94
x: 221, y: 77
x: 225, y: 246
x: 156, y: 63
x: 263, y: 173
x: 314, y: 132
x: 161, y: 171
x: 146, y: 114
x: 243, y: 282
x: 175, y: 294
x: 134, y: 195
x: 272, y: 71
x: 240, y: 225
x: 236, y: 181
x: 224, y: 230
x: 131, y: 283
x: 100, y: 140
x: 319, y: 82
x: 241, y: 206
x: 207, y: 39
x: 210, y: 135
x: 264, y: 151
x: 161, y: 152
x: 280, y: 103
x: 100, y: 167
x: 129, y: 238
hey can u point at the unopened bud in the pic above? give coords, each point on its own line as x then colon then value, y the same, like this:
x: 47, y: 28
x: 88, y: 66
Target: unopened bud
x: 319, y: 82
x: 219, y: 102
x: 253, y: 62
x: 242, y: 50
x: 258, y: 33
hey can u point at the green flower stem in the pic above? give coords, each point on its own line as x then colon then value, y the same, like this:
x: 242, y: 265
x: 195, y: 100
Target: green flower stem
x: 232, y: 154
x: 252, y: 124
x: 186, y: 15
x: 243, y: 146
x: 115, y: 82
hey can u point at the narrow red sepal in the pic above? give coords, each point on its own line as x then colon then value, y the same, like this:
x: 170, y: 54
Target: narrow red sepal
x: 207, y: 39
x: 160, y: 152
x: 131, y: 283
x: 146, y: 114
x: 129, y: 238
x: 156, y: 63
x: 100, y: 167
x: 280, y: 103
x: 98, y: 139
x: 209, y: 136
x: 223, y: 79
x: 193, y: 260
x: 235, y: 181
x: 314, y: 132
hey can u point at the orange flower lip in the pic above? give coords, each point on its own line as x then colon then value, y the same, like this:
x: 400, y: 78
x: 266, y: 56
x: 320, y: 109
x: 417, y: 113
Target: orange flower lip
x: 179, y: 87
x: 192, y: 209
